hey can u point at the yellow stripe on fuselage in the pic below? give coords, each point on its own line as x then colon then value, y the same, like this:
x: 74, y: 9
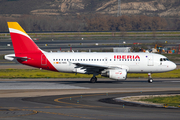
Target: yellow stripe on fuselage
x: 16, y: 26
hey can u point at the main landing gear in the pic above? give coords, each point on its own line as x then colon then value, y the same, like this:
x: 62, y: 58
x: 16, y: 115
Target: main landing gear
x: 150, y: 80
x: 93, y: 80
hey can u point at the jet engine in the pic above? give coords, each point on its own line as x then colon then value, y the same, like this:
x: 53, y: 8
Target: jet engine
x: 116, y: 74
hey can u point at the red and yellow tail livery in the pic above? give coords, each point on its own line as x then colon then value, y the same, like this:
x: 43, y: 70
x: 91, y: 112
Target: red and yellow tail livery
x: 26, y: 51
x: 22, y: 43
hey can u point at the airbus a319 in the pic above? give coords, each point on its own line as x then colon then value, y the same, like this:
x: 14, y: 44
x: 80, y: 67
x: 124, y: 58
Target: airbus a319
x: 116, y: 66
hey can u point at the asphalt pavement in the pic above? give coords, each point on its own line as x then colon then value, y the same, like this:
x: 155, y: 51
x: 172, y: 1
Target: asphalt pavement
x: 47, y: 99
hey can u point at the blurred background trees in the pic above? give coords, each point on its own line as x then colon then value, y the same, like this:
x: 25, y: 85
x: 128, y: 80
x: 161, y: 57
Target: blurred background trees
x: 92, y: 22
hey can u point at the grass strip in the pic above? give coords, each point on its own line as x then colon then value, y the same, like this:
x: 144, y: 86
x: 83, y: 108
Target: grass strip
x: 1, y: 57
x: 170, y: 74
x: 169, y: 100
x: 36, y: 73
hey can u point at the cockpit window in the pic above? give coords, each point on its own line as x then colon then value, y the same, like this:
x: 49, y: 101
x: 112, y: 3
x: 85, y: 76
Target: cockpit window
x: 164, y: 59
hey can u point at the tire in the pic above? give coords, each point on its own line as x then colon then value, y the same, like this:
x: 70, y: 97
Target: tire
x: 150, y: 80
x: 93, y: 80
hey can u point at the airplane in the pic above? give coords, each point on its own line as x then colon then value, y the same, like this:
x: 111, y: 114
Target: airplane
x: 112, y: 65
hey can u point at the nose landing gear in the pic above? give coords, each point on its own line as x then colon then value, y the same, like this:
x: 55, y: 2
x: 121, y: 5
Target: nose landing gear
x: 150, y: 80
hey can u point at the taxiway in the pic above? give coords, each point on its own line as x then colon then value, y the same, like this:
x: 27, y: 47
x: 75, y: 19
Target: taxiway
x: 78, y: 99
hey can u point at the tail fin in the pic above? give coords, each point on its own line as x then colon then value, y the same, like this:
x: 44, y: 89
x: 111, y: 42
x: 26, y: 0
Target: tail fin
x: 22, y: 43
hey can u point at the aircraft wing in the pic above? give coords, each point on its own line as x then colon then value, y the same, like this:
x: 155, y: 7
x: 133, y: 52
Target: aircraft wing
x: 93, y: 67
x: 86, y: 65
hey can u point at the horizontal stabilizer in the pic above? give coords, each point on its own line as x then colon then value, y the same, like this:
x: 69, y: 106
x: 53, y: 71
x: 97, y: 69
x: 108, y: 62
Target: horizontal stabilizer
x: 12, y: 57
x: 22, y: 58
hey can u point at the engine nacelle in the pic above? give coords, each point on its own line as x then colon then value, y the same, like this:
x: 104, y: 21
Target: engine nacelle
x: 116, y: 74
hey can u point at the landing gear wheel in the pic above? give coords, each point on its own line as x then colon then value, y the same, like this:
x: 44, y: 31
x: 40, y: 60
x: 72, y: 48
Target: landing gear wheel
x: 93, y: 80
x: 150, y: 80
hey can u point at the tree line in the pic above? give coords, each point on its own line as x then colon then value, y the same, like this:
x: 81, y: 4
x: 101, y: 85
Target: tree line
x: 92, y: 22
x: 125, y: 23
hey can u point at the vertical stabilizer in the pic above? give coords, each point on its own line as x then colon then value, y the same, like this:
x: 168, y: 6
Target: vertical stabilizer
x: 22, y: 43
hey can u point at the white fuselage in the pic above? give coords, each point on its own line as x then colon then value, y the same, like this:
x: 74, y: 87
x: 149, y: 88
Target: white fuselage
x: 132, y: 62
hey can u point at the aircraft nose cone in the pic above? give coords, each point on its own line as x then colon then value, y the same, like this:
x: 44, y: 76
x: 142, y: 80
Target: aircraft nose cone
x: 173, y: 66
